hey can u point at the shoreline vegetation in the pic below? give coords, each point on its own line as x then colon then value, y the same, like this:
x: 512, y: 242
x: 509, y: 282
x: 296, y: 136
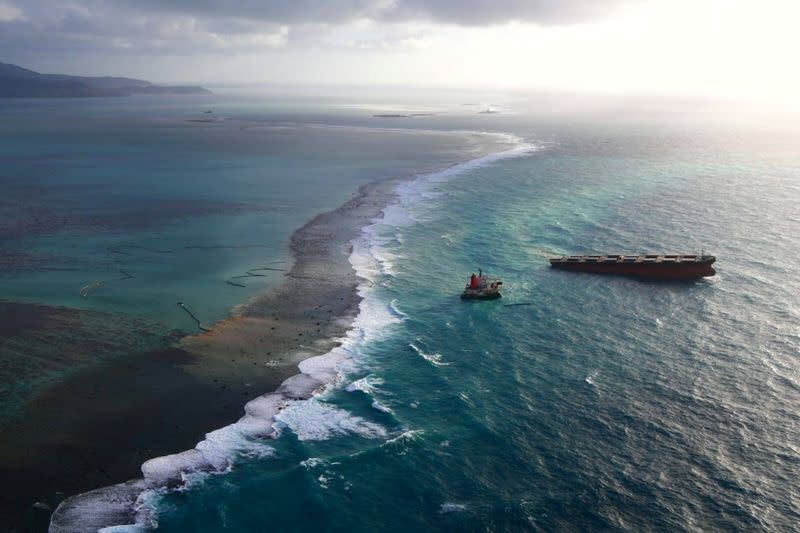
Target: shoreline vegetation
x: 105, y: 424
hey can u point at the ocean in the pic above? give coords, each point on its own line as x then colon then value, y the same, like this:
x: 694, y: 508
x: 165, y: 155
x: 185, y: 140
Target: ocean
x: 125, y: 207
x: 574, y: 403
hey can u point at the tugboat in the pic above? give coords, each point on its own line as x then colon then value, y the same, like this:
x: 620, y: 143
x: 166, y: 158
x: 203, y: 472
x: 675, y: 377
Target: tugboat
x: 482, y: 287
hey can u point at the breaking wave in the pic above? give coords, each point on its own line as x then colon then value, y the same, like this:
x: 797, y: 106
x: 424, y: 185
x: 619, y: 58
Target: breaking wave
x: 316, y: 420
x: 433, y: 358
x: 297, y: 405
x: 451, y: 507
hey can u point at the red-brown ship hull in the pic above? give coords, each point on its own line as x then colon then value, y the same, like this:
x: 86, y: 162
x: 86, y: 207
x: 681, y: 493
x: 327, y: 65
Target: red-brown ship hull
x: 647, y: 266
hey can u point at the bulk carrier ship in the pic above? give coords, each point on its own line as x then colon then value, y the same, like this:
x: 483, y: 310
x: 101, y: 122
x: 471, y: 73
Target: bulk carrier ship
x: 645, y: 266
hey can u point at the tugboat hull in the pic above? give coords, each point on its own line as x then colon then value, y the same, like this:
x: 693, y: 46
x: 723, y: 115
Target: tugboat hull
x: 482, y: 288
x: 492, y: 296
x: 674, y: 267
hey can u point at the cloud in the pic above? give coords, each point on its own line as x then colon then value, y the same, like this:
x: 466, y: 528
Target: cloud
x: 49, y: 28
x: 488, y: 12
x: 100, y: 26
x: 10, y: 12
x: 458, y: 12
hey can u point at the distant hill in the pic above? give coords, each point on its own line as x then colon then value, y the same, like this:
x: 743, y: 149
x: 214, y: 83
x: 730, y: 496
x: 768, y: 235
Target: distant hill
x: 18, y: 82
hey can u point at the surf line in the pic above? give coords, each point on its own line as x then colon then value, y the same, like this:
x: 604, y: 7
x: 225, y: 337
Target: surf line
x: 199, y: 324
x: 119, y: 502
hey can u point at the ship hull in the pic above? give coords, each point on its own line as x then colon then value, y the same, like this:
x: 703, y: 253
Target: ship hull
x: 654, y: 267
x: 492, y: 296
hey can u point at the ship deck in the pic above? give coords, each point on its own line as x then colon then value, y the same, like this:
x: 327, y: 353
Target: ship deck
x: 635, y: 259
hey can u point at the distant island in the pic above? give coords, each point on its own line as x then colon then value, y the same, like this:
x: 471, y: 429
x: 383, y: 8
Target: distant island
x: 19, y: 82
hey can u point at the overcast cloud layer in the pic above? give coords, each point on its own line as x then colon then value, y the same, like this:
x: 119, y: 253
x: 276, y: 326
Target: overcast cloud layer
x: 204, y: 26
x: 470, y: 12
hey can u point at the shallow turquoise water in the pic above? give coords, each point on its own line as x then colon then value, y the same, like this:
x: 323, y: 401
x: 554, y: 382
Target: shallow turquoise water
x: 94, y: 192
x: 130, y: 206
x: 603, y: 403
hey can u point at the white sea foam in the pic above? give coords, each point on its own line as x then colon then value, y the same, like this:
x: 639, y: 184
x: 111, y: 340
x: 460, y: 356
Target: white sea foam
x: 433, y: 358
x: 316, y: 420
x: 367, y: 384
x: 325, y: 368
x: 466, y: 399
x: 400, y: 314
x: 411, y: 193
x: 395, y: 215
x: 293, y: 405
x: 312, y: 462
x: 451, y: 507
x: 381, y: 407
x: 375, y: 253
x: 411, y: 435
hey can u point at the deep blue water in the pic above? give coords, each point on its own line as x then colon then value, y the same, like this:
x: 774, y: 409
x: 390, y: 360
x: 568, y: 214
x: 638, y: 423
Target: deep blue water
x: 603, y: 403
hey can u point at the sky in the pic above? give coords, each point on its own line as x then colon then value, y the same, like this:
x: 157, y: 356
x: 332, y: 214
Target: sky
x: 726, y: 48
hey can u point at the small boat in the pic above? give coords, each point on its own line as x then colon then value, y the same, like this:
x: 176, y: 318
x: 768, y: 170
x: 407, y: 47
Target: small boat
x: 482, y: 287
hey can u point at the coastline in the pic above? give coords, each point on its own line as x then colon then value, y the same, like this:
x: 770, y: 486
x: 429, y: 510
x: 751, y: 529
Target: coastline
x: 298, y: 324
x: 300, y: 319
